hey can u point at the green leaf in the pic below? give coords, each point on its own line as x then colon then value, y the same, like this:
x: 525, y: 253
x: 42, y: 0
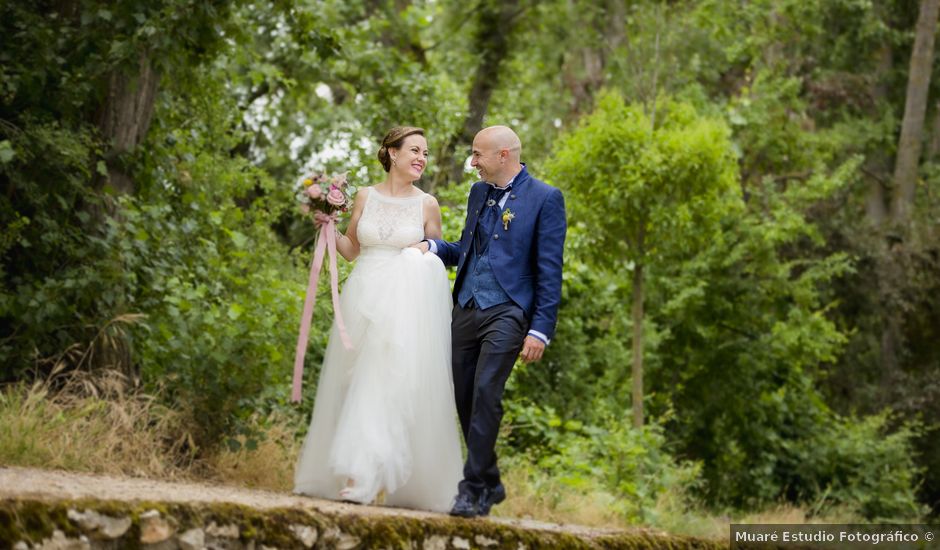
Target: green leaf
x: 6, y: 152
x: 101, y: 168
x: 235, y: 311
x: 239, y: 239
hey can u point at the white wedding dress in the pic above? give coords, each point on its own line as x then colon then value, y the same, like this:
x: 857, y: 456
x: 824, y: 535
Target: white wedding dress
x: 384, y: 414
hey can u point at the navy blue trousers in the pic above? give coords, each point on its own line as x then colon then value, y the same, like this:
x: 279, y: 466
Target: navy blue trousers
x: 485, y: 344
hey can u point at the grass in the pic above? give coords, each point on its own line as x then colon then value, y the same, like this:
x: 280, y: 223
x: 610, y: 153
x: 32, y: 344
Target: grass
x: 534, y: 495
x: 112, y: 432
x: 133, y: 434
x: 270, y: 465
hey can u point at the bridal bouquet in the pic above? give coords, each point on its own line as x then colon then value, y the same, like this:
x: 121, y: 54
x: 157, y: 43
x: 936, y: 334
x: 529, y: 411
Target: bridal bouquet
x: 325, y: 198
x: 319, y: 191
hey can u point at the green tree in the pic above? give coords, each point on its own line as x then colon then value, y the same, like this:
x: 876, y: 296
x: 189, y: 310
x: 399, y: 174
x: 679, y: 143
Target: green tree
x: 657, y: 192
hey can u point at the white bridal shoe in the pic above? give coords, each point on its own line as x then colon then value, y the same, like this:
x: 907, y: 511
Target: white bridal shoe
x: 352, y: 493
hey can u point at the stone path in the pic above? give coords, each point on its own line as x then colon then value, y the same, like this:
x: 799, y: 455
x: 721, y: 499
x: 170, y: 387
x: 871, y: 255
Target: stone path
x: 37, y: 484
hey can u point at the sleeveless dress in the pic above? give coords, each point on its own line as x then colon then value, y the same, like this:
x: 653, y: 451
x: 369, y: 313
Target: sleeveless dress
x: 384, y: 413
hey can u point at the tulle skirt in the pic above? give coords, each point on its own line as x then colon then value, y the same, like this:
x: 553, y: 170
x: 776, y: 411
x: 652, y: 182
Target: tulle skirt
x: 384, y: 414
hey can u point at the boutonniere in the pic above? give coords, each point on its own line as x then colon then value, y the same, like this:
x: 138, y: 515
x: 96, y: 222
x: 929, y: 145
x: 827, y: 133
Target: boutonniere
x: 508, y: 216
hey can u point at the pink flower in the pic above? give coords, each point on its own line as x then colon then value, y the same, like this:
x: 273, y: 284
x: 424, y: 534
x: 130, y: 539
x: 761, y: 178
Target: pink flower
x: 314, y: 192
x: 305, y: 208
x: 336, y: 197
x: 339, y: 181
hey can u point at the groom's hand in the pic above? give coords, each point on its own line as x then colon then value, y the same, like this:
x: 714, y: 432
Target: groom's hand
x: 532, y: 349
x: 423, y: 246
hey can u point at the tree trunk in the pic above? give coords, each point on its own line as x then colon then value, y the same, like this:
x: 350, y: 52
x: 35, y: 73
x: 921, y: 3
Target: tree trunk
x: 125, y: 115
x: 891, y: 274
x: 585, y: 69
x: 583, y: 86
x: 933, y: 149
x: 638, y: 345
x: 637, y: 370
x: 876, y: 207
x: 123, y: 120
x: 496, y: 21
x: 915, y: 108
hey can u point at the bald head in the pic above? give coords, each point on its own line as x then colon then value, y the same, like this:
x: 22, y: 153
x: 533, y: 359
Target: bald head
x: 496, y: 154
x: 502, y: 137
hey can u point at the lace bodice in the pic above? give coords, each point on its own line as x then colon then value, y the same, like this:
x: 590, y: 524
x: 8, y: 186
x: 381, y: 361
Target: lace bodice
x: 391, y: 221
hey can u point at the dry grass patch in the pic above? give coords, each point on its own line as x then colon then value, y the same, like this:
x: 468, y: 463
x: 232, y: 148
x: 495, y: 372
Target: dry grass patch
x: 270, y: 465
x: 788, y: 514
x: 120, y: 434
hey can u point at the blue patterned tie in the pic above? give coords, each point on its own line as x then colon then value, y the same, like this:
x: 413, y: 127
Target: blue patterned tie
x: 486, y: 223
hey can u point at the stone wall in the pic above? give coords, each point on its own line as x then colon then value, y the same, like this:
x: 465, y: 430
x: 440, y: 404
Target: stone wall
x: 97, y: 524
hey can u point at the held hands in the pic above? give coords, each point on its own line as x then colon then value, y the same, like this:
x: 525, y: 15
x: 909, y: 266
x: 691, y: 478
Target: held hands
x: 423, y: 246
x: 532, y: 349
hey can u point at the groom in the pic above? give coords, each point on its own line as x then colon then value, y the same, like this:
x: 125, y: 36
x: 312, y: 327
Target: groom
x: 506, y: 298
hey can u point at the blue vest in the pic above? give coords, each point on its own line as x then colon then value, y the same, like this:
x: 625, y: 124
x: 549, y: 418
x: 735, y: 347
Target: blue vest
x: 480, y: 283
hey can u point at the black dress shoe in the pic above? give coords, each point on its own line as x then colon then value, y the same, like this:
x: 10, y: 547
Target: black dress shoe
x: 465, y: 506
x: 491, y: 497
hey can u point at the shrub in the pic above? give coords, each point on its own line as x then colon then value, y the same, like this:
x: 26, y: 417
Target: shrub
x: 859, y: 463
x: 634, y: 466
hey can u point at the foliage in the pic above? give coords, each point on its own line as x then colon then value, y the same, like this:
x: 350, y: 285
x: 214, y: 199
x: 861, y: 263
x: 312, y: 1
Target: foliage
x: 184, y: 251
x: 707, y: 351
x: 748, y: 371
x: 852, y: 458
x: 763, y: 327
x: 47, y: 227
x: 646, y: 187
x: 633, y: 465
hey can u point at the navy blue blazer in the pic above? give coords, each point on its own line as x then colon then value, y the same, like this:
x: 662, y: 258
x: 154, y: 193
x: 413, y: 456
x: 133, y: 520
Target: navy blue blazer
x: 527, y: 257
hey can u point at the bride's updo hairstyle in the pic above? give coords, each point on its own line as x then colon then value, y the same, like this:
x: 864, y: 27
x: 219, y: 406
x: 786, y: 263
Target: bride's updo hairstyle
x: 393, y: 140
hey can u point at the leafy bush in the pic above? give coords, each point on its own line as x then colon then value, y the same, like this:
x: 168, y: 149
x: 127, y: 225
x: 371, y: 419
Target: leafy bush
x: 865, y: 464
x: 222, y: 304
x: 633, y: 465
x: 59, y: 285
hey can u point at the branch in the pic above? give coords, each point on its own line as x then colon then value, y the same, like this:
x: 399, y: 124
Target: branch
x: 10, y: 127
x: 745, y: 333
x: 880, y: 179
x: 793, y: 176
x: 461, y: 21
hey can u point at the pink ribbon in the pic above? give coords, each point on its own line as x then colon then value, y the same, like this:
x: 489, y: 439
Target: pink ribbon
x: 326, y: 242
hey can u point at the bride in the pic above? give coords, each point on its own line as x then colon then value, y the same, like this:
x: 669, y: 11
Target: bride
x: 384, y: 415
